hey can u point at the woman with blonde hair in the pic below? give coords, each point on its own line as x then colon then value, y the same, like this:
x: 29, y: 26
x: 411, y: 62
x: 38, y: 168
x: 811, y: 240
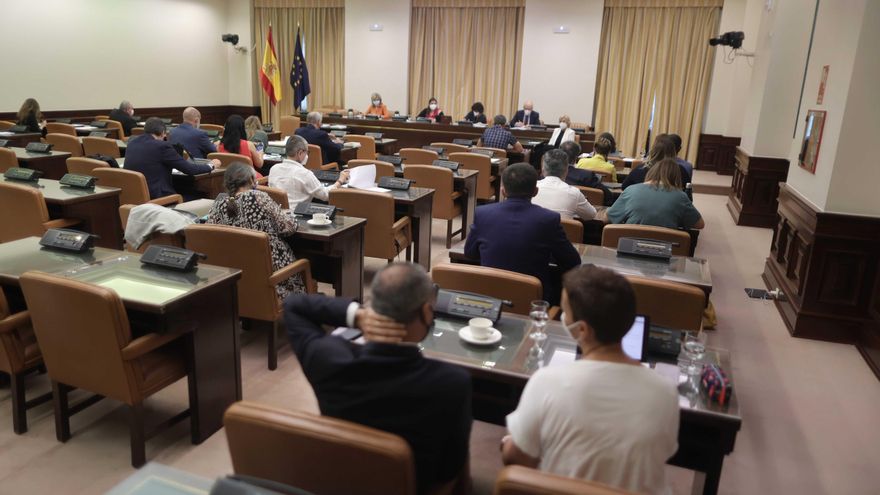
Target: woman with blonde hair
x: 255, y: 133
x: 377, y: 107
x: 30, y: 115
x: 562, y: 133
x: 658, y: 201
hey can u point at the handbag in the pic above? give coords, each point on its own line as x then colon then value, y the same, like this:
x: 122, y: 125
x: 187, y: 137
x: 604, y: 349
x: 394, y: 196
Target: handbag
x: 715, y: 384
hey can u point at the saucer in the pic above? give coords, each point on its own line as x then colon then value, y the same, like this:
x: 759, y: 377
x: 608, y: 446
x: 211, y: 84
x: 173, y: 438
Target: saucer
x: 315, y: 223
x: 493, y: 338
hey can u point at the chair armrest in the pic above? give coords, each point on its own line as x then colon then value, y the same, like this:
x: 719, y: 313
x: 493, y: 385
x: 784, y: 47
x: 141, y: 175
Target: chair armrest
x: 60, y: 223
x: 330, y: 166
x: 456, y: 195
x: 400, y: 224
x: 147, y: 343
x: 554, y: 312
x: 299, y: 266
x: 171, y: 199
x: 263, y: 181
x: 15, y: 320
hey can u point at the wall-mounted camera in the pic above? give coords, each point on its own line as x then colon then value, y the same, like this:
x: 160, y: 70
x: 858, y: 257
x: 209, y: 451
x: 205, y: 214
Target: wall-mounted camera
x: 733, y: 39
x: 230, y: 38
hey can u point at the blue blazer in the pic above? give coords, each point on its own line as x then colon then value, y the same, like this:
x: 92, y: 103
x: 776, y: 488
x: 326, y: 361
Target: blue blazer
x: 520, y: 116
x: 195, y: 141
x: 321, y: 138
x: 586, y: 178
x: 155, y: 159
x: 521, y: 237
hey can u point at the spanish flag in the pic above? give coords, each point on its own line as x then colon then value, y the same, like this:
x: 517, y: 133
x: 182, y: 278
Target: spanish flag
x: 269, y: 77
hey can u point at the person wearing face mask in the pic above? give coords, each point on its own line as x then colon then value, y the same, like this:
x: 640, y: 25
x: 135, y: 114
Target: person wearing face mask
x: 526, y: 117
x: 377, y: 107
x: 387, y: 383
x: 562, y: 133
x: 604, y: 417
x: 432, y: 111
x: 476, y: 115
x: 296, y: 180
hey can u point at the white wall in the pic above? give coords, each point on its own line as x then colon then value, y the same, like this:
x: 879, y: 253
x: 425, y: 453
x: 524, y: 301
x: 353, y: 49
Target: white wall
x: 559, y: 70
x: 377, y: 61
x: 241, y: 77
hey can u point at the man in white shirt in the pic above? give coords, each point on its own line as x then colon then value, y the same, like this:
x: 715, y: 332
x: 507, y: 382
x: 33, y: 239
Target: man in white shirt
x: 295, y: 179
x: 603, y: 418
x: 555, y: 194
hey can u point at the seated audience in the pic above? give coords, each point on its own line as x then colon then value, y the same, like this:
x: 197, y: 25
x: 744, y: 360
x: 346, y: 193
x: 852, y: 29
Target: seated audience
x: 387, y: 383
x: 563, y: 133
x: 124, y: 115
x: 477, y: 114
x: 30, y: 115
x: 154, y: 157
x: 663, y: 148
x: 246, y: 207
x: 432, y: 111
x: 313, y: 134
x: 255, y: 133
x: 499, y: 137
x: 658, y: 201
x: 555, y: 195
x: 688, y: 166
x: 599, y: 161
x: 195, y: 141
x: 377, y: 107
x: 583, y: 177
x: 602, y: 418
x: 610, y: 137
x: 235, y: 141
x: 526, y: 117
x: 519, y: 236
x: 296, y: 180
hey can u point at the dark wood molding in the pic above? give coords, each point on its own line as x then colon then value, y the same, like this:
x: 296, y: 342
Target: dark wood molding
x: 211, y: 114
x: 716, y: 152
x: 753, y: 197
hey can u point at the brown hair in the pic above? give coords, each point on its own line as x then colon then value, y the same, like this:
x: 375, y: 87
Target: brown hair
x: 238, y: 174
x: 252, y: 124
x: 663, y: 148
x: 30, y: 106
x: 666, y: 174
x: 603, y: 299
x: 602, y: 147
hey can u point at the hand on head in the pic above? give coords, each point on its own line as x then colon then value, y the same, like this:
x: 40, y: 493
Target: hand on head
x: 378, y: 328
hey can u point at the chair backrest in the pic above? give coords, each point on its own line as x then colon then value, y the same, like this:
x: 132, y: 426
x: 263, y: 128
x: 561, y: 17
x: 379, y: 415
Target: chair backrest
x: 136, y: 131
x: 65, y: 142
x: 441, y: 181
x: 59, y: 128
x: 7, y: 159
x: 452, y: 147
x: 155, y: 237
x: 81, y: 328
x: 306, y: 451
x: 277, y: 195
x: 595, y: 197
x: 483, y: 165
x: 212, y: 127
x: 133, y: 184
x: 115, y: 124
x: 102, y: 146
x: 5, y: 124
x: 669, y: 304
x: 378, y: 209
x: 574, y: 230
x: 367, y: 151
x: 418, y: 156
x: 29, y: 209
x: 612, y: 233
x: 520, y: 480
x: 83, y: 165
x: 499, y: 153
x: 227, y: 159
x: 245, y: 249
x: 289, y: 125
x: 316, y: 157
x: 102, y: 117
x: 517, y: 288
x: 15, y: 343
x: 383, y: 169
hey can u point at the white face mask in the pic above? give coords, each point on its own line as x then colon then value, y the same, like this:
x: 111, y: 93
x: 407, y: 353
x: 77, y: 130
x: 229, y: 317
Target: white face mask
x: 563, y: 125
x: 476, y: 114
x: 570, y: 328
x: 305, y: 159
x: 376, y: 103
x: 433, y: 106
x: 527, y: 112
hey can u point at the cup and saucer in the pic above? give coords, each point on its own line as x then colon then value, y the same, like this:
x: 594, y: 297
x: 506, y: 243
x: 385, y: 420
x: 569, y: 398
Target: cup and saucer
x: 319, y: 220
x: 479, y: 331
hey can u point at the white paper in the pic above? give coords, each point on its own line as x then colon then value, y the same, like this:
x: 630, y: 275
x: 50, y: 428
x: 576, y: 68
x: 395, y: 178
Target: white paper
x: 6, y: 133
x: 87, y: 128
x: 352, y: 144
x: 562, y: 356
x: 668, y: 371
x: 362, y: 177
x: 282, y: 142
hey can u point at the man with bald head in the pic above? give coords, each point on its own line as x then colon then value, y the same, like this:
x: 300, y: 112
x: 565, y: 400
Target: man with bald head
x: 195, y: 141
x: 526, y: 117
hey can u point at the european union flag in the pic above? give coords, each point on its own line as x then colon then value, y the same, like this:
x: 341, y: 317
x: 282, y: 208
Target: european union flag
x: 299, y: 74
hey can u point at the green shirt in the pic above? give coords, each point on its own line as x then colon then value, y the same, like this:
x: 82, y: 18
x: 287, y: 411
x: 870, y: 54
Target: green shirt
x: 644, y: 204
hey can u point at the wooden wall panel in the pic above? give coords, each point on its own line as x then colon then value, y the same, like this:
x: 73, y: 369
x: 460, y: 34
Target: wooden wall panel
x: 716, y: 152
x: 755, y: 187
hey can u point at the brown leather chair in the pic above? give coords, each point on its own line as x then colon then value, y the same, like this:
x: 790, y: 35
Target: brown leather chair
x: 136, y: 131
x: 574, y: 230
x: 499, y: 153
x: 212, y: 127
x: 316, y: 160
x: 517, y: 288
x: 31, y: 216
x: 5, y: 124
x: 418, y: 156
x: 87, y: 343
x: 681, y: 240
x: 289, y: 125
x: 133, y: 185
x: 227, y: 159
x: 115, y: 124
x: 65, y: 142
x: 249, y: 251
x: 59, y: 128
x: 483, y: 165
x: 367, y: 151
x: 155, y: 238
x: 520, y: 480
x: 102, y: 117
x: 307, y: 451
x: 669, y: 304
x: 7, y: 159
x: 102, y: 146
x: 383, y: 169
x: 595, y: 197
x: 450, y: 148
x: 277, y: 195
x: 384, y: 237
x: 19, y: 354
x: 83, y: 165
x: 448, y: 203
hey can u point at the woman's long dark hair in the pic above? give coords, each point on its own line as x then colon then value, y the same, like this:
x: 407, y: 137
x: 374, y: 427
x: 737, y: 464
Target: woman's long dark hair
x: 238, y: 174
x: 233, y: 133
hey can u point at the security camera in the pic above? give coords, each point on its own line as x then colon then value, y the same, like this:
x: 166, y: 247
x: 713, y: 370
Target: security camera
x: 230, y: 38
x: 733, y: 39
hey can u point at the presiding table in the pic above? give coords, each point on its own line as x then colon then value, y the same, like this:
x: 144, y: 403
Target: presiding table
x: 53, y: 164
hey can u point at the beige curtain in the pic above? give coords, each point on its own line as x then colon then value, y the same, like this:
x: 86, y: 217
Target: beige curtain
x: 655, y: 50
x: 322, y: 28
x: 465, y: 51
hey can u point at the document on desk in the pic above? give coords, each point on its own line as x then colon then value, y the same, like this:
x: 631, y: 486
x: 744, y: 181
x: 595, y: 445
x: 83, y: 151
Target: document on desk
x: 280, y: 142
x: 562, y: 356
x: 6, y: 133
x: 364, y: 177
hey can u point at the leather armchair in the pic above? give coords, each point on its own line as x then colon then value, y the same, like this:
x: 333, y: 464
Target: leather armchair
x: 448, y: 203
x: 133, y: 185
x: 19, y: 354
x: 595, y: 197
x: 277, y: 195
x: 383, y: 169
x: 316, y: 160
x: 83, y: 165
x: 681, y: 240
x: 65, y: 142
x: 574, y: 230
x: 384, y: 237
x: 499, y: 153
x: 367, y: 151
x: 483, y: 165
x: 7, y: 159
x: 115, y: 124
x: 289, y: 125
x: 669, y: 304
x: 100, y: 146
x: 417, y: 156
x: 517, y: 288
x: 155, y: 238
x: 59, y: 128
x: 452, y: 147
x: 31, y: 216
x: 520, y: 480
x: 227, y: 159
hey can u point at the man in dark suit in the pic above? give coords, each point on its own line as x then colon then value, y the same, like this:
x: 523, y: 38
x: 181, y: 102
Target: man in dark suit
x: 154, y: 157
x: 313, y: 134
x: 195, y: 141
x: 123, y: 115
x: 526, y: 116
x: 583, y: 177
x: 521, y: 237
x: 387, y: 384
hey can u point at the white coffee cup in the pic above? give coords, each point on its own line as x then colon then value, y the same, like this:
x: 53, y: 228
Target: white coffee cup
x: 481, y: 328
x: 320, y: 217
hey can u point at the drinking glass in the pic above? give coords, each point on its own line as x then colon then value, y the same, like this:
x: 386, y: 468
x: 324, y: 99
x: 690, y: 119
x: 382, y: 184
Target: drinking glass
x: 539, y: 317
x: 694, y: 346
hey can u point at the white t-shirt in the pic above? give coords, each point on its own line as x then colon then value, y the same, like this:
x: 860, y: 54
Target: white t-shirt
x: 554, y: 194
x: 608, y: 422
x: 299, y: 183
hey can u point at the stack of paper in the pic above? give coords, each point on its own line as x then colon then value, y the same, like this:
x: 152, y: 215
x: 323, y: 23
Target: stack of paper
x: 364, y: 177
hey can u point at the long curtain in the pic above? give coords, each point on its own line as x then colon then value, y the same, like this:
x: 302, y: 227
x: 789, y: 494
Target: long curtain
x: 654, y: 55
x: 322, y: 28
x: 463, y: 51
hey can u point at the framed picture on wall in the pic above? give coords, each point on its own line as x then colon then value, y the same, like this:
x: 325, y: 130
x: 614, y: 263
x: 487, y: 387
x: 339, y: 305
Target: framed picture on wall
x: 812, y: 139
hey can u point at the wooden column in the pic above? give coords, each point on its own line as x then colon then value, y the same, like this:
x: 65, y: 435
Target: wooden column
x: 716, y: 152
x: 755, y: 187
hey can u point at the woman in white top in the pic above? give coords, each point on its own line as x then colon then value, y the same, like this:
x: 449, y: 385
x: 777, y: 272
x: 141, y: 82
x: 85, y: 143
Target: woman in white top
x: 562, y: 133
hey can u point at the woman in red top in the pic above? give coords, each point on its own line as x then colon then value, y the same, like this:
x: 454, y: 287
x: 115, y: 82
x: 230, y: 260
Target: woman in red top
x: 235, y: 141
x: 432, y: 111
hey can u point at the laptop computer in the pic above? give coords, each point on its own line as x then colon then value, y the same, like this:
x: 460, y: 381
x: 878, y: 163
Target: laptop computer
x: 635, y: 342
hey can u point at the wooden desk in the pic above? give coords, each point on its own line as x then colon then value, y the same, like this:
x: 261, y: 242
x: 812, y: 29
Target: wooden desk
x: 85, y: 130
x: 387, y: 146
x: 203, y: 304
x: 53, y: 164
x: 21, y: 139
x: 98, y: 208
x: 465, y: 182
x: 418, y: 204
x: 336, y: 253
